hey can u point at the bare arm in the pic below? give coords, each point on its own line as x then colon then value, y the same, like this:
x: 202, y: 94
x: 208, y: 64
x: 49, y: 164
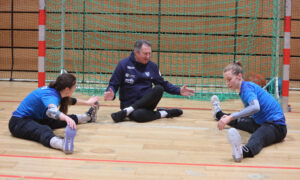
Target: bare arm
x: 89, y: 102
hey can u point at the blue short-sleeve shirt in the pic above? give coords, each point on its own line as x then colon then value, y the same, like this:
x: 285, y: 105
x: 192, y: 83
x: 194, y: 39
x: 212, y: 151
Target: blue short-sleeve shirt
x: 36, y: 103
x: 270, y: 109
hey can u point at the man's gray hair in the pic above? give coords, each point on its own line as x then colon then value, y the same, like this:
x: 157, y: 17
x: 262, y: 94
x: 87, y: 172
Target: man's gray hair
x: 139, y: 43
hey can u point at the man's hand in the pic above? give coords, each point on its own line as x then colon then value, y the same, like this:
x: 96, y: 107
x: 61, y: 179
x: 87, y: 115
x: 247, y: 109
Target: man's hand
x: 109, y: 95
x: 184, y: 91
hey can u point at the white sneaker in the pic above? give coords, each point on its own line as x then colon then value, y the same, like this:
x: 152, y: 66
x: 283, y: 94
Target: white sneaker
x: 236, y: 144
x: 216, y: 107
x: 93, y: 112
x: 68, y: 144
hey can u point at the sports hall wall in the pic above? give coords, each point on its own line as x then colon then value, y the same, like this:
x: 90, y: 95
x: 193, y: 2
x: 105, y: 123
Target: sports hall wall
x: 19, y: 40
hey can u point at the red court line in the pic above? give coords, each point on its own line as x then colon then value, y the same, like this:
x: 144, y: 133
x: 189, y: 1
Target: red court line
x: 187, y: 108
x: 10, y: 176
x: 152, y: 163
x: 31, y: 177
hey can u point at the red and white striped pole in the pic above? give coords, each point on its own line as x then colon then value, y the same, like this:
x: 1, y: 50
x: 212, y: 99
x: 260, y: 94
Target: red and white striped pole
x: 42, y: 44
x: 286, y: 55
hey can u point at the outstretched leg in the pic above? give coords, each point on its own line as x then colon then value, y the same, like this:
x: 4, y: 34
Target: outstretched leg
x: 244, y: 123
x: 66, y: 144
x: 90, y: 115
x: 31, y: 130
x: 216, y: 108
x: 265, y: 135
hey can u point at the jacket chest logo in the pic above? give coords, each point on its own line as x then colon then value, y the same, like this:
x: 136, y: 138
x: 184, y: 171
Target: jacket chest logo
x: 130, y: 67
x: 147, y: 74
x: 129, y: 81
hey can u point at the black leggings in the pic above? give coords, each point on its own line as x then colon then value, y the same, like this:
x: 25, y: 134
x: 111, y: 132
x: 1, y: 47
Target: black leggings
x: 36, y: 130
x: 144, y: 107
x: 262, y: 134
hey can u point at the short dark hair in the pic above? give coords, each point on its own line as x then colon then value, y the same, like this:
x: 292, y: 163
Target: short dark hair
x: 139, y: 43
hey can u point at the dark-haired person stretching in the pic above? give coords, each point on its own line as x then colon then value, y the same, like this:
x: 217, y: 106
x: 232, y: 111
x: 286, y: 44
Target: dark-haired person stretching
x: 262, y: 115
x: 38, y: 114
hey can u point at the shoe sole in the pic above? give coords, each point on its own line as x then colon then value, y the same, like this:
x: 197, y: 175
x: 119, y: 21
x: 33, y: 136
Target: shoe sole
x: 235, y: 141
x: 69, y: 140
x: 94, y: 113
x: 214, y: 99
x: 93, y: 116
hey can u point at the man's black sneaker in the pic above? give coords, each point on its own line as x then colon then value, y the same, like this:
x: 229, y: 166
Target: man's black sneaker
x: 175, y: 112
x: 119, y: 116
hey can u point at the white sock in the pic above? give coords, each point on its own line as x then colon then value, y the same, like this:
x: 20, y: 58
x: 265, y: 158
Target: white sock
x: 163, y: 114
x: 57, y: 142
x: 83, y: 118
x: 129, y: 110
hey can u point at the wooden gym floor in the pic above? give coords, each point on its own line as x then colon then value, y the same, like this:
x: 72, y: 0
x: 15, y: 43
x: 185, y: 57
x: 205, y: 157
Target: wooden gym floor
x: 187, y: 147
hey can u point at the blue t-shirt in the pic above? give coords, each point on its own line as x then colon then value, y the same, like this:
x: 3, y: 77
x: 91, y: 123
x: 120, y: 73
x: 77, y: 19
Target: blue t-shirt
x: 36, y: 103
x: 270, y: 109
